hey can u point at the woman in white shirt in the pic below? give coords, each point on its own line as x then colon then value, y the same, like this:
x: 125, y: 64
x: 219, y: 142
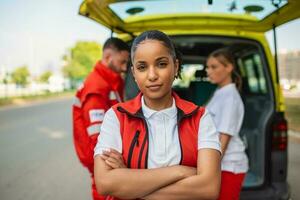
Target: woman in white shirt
x: 157, y: 146
x: 227, y: 110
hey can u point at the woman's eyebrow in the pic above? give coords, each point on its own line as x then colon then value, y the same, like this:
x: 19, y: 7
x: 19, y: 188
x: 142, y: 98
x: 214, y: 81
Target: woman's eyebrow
x: 161, y: 58
x: 140, y: 61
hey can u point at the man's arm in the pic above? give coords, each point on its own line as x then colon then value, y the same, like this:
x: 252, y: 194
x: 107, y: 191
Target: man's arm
x: 135, y: 183
x: 204, y: 185
x: 93, y: 109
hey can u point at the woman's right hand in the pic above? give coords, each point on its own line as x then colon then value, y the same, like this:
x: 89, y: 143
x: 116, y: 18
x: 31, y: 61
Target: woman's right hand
x: 186, y: 171
x: 114, y: 159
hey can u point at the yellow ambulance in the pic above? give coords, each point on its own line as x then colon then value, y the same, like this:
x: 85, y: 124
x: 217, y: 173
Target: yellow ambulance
x: 198, y: 27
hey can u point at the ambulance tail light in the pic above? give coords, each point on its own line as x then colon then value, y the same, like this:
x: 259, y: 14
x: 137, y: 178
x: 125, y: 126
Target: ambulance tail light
x: 279, y: 134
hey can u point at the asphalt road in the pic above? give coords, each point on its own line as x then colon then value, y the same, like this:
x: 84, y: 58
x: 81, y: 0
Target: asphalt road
x: 37, y: 159
x: 293, y: 167
x: 38, y: 162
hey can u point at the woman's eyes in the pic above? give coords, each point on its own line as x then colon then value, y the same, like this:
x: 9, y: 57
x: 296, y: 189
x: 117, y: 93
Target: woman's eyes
x: 141, y: 67
x: 162, y: 64
x: 210, y: 67
x: 213, y: 67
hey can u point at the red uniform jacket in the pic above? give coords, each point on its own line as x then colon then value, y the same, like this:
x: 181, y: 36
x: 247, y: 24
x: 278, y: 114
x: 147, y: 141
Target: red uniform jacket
x: 102, y: 89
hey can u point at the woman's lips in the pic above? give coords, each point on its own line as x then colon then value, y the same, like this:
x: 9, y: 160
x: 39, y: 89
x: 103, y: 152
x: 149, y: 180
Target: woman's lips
x: 154, y: 87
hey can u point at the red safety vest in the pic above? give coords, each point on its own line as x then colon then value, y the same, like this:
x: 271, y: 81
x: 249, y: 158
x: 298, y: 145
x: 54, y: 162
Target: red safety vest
x: 135, y: 138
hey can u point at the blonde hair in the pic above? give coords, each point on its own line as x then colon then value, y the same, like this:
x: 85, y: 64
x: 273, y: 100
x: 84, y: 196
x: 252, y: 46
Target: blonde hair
x: 225, y: 57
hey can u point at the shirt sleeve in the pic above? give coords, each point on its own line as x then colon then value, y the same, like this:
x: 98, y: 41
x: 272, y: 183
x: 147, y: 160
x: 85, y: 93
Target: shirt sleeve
x: 110, y: 137
x: 229, y: 117
x: 208, y: 136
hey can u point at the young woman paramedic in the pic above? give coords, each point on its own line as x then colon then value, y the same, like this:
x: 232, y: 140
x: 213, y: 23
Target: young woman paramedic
x: 227, y: 110
x: 170, y: 147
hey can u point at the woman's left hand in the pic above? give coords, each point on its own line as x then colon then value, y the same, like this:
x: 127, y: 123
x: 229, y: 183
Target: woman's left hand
x: 113, y: 158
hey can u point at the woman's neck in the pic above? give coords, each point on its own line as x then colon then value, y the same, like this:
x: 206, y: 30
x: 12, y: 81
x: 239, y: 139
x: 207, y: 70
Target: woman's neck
x: 225, y: 82
x: 159, y: 104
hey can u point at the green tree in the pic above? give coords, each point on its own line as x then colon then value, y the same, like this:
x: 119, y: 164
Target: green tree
x: 20, y: 76
x: 45, y: 76
x: 80, y: 59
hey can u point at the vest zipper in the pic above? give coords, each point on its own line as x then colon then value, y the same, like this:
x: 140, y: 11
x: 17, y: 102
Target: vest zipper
x: 181, y: 151
x: 142, y: 148
x: 135, y: 141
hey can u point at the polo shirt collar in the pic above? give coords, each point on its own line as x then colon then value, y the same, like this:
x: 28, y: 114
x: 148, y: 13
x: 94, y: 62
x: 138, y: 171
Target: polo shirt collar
x: 170, y: 112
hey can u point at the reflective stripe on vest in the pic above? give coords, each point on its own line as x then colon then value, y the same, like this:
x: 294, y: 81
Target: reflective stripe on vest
x: 76, y: 102
x: 93, y: 129
x: 113, y: 95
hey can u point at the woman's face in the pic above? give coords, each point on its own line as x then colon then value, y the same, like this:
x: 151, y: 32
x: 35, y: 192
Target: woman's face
x: 154, y: 69
x: 217, y: 72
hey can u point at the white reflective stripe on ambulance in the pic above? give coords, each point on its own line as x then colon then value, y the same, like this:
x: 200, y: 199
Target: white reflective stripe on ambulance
x: 93, y: 129
x: 76, y: 102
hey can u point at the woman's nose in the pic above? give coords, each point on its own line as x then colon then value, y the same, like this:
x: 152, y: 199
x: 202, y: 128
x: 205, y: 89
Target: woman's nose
x: 208, y: 72
x: 152, y: 73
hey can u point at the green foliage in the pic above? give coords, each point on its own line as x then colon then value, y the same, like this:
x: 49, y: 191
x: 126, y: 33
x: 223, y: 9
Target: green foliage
x: 20, y: 76
x: 80, y: 59
x: 45, y: 76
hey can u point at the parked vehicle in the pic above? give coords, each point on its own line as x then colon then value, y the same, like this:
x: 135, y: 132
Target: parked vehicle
x: 200, y: 27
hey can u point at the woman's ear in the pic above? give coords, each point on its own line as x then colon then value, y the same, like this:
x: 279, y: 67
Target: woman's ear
x: 106, y: 56
x: 133, y: 74
x: 176, y: 68
x: 229, y: 67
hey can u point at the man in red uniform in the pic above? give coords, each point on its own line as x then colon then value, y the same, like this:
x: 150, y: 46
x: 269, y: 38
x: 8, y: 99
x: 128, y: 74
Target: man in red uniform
x: 102, y: 89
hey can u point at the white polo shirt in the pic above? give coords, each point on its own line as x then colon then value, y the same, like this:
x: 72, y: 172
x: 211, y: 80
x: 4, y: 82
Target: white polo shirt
x: 164, y: 146
x: 227, y: 110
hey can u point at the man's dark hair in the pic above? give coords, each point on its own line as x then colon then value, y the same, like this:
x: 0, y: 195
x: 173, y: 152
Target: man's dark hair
x: 116, y: 44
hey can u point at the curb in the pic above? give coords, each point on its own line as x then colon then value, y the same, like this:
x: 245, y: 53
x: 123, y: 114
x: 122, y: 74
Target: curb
x: 35, y: 102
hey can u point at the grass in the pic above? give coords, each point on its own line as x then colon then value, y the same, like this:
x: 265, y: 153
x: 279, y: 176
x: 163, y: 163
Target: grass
x: 293, y: 113
x: 31, y: 98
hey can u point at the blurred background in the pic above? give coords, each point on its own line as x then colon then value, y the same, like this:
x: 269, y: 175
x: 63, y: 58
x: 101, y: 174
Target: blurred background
x: 46, y: 51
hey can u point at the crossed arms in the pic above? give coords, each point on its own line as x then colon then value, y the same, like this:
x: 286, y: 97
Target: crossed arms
x: 174, y: 182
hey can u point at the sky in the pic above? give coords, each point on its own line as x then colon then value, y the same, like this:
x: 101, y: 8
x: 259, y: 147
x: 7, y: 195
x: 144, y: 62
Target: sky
x: 37, y: 33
